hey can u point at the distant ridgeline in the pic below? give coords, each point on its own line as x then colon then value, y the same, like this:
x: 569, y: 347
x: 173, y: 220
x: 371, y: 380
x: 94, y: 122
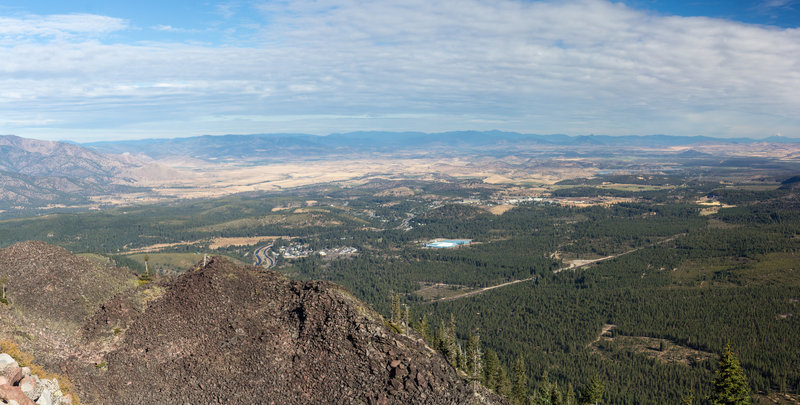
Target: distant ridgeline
x: 274, y: 146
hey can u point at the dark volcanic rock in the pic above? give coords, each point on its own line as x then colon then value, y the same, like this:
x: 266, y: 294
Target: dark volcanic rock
x: 48, y: 282
x: 230, y: 334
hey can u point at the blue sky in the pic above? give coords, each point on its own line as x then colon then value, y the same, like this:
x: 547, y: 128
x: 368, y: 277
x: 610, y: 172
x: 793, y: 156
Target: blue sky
x: 90, y: 70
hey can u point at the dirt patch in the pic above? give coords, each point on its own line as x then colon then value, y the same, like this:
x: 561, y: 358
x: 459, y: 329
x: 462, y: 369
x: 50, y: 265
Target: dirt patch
x: 158, y: 247
x: 219, y: 243
x: 584, y: 262
x: 778, y: 398
x: 396, y: 192
x: 500, y: 209
x: 435, y: 291
x: 660, y: 349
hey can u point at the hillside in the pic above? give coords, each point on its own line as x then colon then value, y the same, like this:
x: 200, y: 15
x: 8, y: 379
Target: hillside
x: 57, y: 159
x: 35, y: 174
x: 46, y: 282
x: 217, y: 334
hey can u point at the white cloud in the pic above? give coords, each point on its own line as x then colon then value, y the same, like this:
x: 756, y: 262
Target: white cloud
x: 587, y: 66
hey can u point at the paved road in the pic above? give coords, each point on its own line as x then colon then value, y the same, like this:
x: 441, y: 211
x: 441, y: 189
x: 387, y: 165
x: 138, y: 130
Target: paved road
x: 570, y: 267
x: 262, y: 257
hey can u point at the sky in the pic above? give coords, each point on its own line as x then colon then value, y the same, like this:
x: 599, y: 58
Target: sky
x: 87, y: 70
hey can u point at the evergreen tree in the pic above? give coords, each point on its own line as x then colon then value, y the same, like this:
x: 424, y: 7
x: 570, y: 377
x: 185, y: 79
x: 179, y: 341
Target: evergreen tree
x: 447, y: 341
x: 504, y: 383
x: 730, y: 385
x: 424, y: 328
x: 519, y: 390
x: 474, y: 357
x: 542, y: 395
x: 491, y: 371
x: 441, y: 338
x: 593, y: 394
x: 462, y: 358
x: 556, y: 397
x: 569, y: 396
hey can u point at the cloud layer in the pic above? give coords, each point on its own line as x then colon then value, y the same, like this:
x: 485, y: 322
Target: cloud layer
x: 321, y: 66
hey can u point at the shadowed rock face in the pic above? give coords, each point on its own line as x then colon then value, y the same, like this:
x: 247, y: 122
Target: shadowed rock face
x: 231, y: 334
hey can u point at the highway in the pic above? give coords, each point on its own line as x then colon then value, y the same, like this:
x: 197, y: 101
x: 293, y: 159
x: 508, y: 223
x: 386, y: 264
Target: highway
x: 262, y: 257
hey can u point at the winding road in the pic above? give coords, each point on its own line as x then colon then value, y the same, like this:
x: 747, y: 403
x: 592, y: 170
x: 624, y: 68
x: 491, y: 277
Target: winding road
x: 262, y: 257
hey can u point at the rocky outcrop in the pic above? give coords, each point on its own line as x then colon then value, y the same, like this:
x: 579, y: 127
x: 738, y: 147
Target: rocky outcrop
x: 19, y: 386
x: 48, y: 282
x: 231, y: 334
x: 219, y: 333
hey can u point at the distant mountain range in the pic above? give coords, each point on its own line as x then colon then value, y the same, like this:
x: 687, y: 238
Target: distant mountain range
x: 277, y: 146
x: 36, y: 173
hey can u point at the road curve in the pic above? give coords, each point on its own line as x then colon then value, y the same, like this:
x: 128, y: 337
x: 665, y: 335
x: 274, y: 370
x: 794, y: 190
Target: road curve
x: 262, y: 257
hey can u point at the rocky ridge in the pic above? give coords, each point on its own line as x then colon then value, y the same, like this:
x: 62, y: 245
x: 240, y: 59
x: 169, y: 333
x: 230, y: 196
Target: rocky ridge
x: 219, y: 333
x: 230, y: 334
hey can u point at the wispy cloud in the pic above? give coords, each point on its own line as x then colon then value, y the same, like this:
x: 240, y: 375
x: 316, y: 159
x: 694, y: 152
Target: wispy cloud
x: 770, y: 4
x: 59, y: 25
x: 586, y: 66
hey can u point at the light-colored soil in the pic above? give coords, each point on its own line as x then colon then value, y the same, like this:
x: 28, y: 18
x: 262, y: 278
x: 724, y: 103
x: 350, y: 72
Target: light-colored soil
x: 194, y: 179
x: 500, y: 209
x: 215, y: 243
x: 158, y: 247
x: 778, y: 398
x: 434, y: 291
x: 219, y: 243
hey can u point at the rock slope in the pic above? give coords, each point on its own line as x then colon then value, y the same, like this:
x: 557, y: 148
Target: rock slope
x: 231, y: 334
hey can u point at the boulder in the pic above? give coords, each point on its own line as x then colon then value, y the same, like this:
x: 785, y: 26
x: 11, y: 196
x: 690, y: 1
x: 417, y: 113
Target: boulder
x: 31, y: 387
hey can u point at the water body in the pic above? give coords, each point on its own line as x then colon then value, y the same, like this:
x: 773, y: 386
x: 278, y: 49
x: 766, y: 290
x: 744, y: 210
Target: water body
x: 447, y: 243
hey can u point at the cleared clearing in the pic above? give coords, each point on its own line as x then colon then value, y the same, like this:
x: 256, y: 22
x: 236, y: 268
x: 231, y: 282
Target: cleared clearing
x: 660, y: 349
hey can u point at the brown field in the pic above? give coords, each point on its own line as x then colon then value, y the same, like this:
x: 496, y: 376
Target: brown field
x: 219, y: 243
x: 215, y: 243
x: 158, y: 247
x: 188, y: 179
x: 499, y: 209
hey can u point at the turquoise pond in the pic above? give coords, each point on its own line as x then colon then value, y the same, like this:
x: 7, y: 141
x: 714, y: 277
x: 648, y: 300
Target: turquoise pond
x: 448, y: 243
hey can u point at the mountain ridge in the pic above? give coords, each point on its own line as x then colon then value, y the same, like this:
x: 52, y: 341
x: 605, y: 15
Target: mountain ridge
x: 282, y: 144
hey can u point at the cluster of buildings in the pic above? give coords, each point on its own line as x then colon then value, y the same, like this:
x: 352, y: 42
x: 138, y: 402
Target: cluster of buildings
x: 302, y: 250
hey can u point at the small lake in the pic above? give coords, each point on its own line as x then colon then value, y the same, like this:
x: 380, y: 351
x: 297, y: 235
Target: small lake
x: 447, y: 243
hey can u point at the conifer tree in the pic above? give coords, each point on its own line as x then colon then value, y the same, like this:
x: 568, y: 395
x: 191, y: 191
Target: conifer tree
x: 491, y: 371
x: 474, y: 357
x: 424, y: 328
x: 519, y: 390
x: 569, y: 396
x: 730, y: 385
x: 543, y: 395
x: 504, y: 383
x: 462, y: 358
x: 593, y: 394
x: 556, y: 397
